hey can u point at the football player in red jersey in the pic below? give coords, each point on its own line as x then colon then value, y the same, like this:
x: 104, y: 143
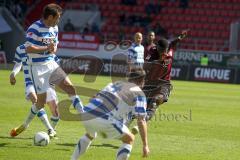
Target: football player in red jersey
x: 150, y: 42
x: 158, y: 65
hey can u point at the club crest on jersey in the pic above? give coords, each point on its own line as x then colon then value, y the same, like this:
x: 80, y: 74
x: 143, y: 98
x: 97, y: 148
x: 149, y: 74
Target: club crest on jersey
x: 29, y: 34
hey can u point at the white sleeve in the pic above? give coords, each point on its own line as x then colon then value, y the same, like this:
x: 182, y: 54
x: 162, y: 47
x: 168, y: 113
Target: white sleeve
x: 16, y: 69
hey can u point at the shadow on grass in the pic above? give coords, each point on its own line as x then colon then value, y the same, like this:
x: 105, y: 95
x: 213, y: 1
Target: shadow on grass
x: 63, y: 149
x: 105, y: 145
x: 8, y: 137
x: 93, y: 145
x: 66, y: 144
x: 3, y: 144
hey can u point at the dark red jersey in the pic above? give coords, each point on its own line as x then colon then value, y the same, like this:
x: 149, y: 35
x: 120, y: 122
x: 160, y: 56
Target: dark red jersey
x: 149, y: 53
x: 167, y: 61
x: 158, y: 67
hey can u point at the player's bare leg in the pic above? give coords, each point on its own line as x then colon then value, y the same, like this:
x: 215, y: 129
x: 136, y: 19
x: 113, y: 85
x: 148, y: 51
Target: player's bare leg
x: 40, y: 104
x: 16, y: 131
x: 66, y: 85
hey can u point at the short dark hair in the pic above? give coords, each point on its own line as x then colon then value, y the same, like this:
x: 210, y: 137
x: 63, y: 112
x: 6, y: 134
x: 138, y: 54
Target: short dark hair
x: 51, y: 9
x: 162, y: 45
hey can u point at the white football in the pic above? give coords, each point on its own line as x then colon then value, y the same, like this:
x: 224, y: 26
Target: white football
x: 41, y: 139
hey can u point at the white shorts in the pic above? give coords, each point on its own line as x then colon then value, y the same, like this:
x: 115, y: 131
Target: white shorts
x: 51, y: 93
x: 113, y: 129
x: 41, y: 75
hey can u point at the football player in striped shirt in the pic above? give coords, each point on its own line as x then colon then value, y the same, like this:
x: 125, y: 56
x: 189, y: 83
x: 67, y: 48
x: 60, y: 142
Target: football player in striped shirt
x: 41, y: 45
x: 21, y: 61
x: 136, y: 53
x: 109, y: 111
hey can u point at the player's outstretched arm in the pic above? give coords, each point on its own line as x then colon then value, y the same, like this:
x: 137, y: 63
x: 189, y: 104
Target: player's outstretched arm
x: 16, y: 69
x: 183, y: 34
x: 173, y: 42
x: 37, y: 49
x: 142, y: 125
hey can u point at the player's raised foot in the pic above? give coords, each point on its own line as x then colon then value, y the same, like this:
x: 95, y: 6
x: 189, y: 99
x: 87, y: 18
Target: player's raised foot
x: 135, y: 130
x: 16, y: 131
x: 52, y: 133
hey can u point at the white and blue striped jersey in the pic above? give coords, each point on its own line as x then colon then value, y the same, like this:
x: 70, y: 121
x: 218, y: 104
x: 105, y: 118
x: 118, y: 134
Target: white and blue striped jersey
x: 119, y: 100
x: 136, y: 54
x: 22, y: 57
x: 40, y: 35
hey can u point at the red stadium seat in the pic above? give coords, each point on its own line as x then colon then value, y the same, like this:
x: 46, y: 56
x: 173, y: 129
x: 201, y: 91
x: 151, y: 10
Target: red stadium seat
x: 206, y: 26
x: 209, y: 34
x: 180, y: 18
x: 175, y: 25
x: 106, y: 14
x: 225, y: 35
x: 213, y: 6
x: 173, y: 17
x: 214, y: 27
x: 201, y: 33
x: 207, y: 19
x: 201, y: 12
x: 236, y: 7
x: 220, y: 20
x: 221, y: 28
x: 183, y: 25
x: 188, y: 18
x: 228, y: 7
x: 216, y: 34
x: 203, y: 19
x: 197, y: 26
x: 193, y: 12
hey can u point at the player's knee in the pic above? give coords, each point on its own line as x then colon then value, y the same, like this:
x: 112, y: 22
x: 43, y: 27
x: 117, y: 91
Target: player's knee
x: 160, y: 99
x: 68, y: 87
x: 128, y: 138
x: 91, y: 136
x: 33, y: 100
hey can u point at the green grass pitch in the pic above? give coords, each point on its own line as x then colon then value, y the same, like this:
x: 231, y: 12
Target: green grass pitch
x: 201, y: 121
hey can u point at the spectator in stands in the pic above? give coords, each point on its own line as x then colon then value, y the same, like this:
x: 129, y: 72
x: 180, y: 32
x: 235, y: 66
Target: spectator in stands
x: 121, y: 34
x: 183, y: 4
x: 152, y: 8
x: 1, y: 45
x: 159, y: 30
x: 129, y: 2
x: 69, y: 27
x: 145, y: 20
x: 122, y: 19
x: 23, y: 6
x: 17, y: 11
x: 95, y: 28
x: 86, y: 29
